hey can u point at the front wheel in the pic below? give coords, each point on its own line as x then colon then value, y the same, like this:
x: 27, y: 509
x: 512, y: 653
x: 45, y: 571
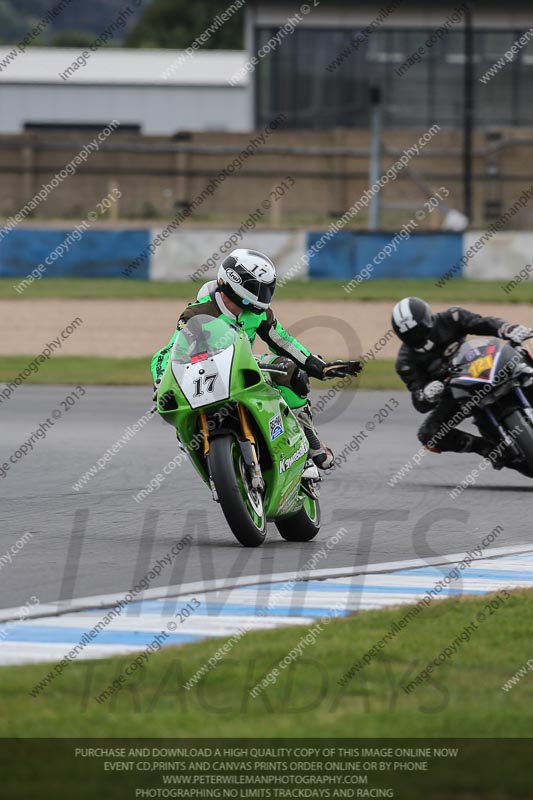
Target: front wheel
x: 304, y: 525
x: 241, y: 504
x: 519, y: 428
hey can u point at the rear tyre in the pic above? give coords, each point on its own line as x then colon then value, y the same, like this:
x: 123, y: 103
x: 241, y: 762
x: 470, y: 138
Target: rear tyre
x: 304, y: 525
x: 242, y: 506
x: 522, y: 437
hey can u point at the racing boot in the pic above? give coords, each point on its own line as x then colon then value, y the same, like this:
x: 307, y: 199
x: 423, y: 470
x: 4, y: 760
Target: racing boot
x: 321, y: 455
x: 310, y: 472
x: 498, y: 456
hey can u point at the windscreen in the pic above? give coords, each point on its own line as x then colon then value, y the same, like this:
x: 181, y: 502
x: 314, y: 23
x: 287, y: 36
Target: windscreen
x: 203, y: 336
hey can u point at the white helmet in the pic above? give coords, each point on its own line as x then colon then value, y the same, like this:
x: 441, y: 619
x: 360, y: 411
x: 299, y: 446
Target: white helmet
x: 248, y: 278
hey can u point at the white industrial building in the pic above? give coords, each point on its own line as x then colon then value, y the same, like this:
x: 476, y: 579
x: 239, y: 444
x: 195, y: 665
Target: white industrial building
x: 319, y: 74
x: 159, y: 92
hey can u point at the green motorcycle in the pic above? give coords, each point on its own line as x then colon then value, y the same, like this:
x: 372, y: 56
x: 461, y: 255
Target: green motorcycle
x: 241, y: 436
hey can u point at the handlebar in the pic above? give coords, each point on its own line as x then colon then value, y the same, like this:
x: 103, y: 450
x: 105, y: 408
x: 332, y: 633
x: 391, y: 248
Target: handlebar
x: 271, y: 368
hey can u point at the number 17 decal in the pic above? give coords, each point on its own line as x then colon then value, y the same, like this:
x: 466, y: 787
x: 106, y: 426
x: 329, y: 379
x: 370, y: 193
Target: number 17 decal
x: 209, y: 383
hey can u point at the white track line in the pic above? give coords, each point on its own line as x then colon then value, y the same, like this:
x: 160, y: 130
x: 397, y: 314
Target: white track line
x: 162, y: 592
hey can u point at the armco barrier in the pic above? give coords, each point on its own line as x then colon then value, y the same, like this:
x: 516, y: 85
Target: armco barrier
x: 95, y: 254
x: 346, y: 254
x: 198, y: 251
x: 500, y: 258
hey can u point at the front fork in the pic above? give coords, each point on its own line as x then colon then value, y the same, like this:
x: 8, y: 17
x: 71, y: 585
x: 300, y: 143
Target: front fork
x: 205, y: 431
x: 501, y: 430
x: 249, y: 450
x: 248, y: 447
x: 506, y: 438
x: 525, y: 403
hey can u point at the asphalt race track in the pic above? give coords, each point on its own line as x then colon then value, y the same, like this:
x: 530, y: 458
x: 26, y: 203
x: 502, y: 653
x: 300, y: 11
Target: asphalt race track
x: 99, y: 540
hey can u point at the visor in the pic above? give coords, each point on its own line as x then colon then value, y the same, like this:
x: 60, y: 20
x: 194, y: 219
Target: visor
x: 264, y: 292
x: 416, y: 337
x: 256, y: 296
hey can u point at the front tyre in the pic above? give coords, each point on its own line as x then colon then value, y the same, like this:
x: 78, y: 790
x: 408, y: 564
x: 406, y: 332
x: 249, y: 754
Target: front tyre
x: 241, y: 504
x: 522, y: 436
x: 304, y: 525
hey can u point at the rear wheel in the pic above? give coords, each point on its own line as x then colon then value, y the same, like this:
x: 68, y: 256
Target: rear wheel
x: 241, y: 504
x: 522, y: 435
x: 304, y: 525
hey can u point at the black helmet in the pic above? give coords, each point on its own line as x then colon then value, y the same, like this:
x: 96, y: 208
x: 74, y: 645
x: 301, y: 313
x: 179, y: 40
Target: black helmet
x: 412, y: 321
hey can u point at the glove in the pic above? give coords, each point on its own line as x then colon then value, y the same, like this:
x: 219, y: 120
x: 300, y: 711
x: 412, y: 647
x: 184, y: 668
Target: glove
x: 316, y: 367
x: 433, y: 391
x: 339, y: 369
x: 515, y: 333
x: 156, y: 389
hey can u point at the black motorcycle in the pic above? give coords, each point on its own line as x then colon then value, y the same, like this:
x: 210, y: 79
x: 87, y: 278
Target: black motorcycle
x: 492, y: 381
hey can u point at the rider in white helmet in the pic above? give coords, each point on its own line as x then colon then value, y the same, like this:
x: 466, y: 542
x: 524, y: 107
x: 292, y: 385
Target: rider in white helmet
x: 243, y: 292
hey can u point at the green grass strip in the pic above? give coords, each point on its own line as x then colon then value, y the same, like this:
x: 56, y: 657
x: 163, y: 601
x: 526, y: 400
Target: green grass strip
x: 94, y: 371
x: 85, y: 370
x: 457, y: 290
x: 461, y: 698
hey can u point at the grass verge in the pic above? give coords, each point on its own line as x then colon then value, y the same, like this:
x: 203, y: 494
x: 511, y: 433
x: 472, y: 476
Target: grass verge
x: 93, y: 371
x: 85, y: 370
x: 456, y: 290
x: 461, y: 698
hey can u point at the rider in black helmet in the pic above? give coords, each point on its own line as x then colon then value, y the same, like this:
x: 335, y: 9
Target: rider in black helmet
x: 428, y: 341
